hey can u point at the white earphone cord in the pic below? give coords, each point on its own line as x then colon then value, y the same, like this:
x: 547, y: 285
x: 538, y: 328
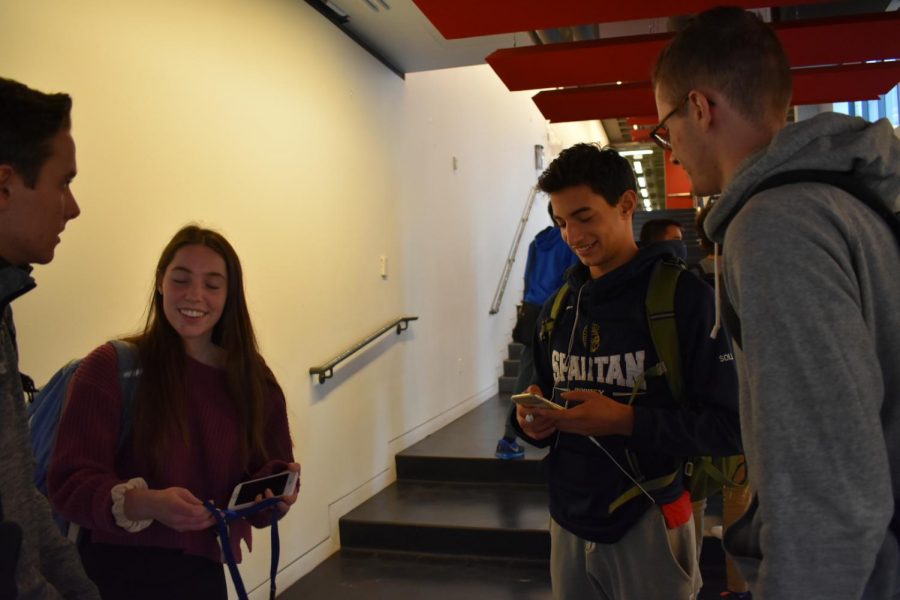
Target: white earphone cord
x: 590, y: 437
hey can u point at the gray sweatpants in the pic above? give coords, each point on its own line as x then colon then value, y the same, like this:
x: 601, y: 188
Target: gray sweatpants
x: 651, y: 562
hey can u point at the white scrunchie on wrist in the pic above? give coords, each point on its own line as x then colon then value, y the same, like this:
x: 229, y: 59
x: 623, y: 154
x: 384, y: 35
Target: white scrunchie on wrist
x: 118, y: 505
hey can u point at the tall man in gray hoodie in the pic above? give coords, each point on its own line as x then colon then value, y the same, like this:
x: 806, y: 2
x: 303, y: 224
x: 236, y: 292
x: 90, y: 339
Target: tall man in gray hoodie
x: 37, y: 164
x: 814, y: 277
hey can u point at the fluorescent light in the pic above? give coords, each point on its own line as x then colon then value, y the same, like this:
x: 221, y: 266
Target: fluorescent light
x: 618, y: 83
x: 647, y: 204
x: 642, y: 182
x: 638, y: 167
x: 645, y: 193
x: 635, y: 152
x: 634, y: 127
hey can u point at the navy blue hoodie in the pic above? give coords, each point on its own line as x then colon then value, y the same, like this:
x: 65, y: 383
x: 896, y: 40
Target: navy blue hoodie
x: 611, y: 347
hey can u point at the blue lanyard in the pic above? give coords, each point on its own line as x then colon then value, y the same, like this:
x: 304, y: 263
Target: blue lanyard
x: 225, y: 516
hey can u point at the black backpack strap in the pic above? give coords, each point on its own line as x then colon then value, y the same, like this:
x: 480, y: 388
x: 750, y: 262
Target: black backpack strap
x: 730, y: 317
x: 10, y: 549
x: 129, y: 374
x: 28, y: 387
x: 839, y: 179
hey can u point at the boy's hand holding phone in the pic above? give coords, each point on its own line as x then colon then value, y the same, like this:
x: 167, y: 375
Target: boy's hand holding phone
x: 531, y: 419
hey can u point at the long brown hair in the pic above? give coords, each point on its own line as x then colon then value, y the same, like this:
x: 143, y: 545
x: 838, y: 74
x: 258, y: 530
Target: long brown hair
x: 160, y: 397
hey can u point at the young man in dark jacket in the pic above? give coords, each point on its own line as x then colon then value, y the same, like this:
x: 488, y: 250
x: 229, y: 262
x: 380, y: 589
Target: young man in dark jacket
x: 622, y: 525
x: 37, y: 163
x: 814, y: 276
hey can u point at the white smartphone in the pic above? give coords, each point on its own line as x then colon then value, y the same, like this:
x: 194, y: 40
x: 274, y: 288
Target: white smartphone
x: 245, y: 493
x: 534, y: 401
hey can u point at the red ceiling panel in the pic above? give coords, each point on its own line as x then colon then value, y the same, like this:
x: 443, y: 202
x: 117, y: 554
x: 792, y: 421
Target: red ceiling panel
x: 811, y: 86
x: 579, y: 63
x: 845, y: 83
x: 469, y: 18
x: 807, y: 43
x: 600, y: 102
x: 841, y: 40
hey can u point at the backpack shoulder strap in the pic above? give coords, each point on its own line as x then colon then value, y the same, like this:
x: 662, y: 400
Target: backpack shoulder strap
x: 558, y: 301
x: 660, y: 304
x: 839, y: 179
x: 129, y: 373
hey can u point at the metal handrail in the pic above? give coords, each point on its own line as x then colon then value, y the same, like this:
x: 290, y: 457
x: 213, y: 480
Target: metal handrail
x: 326, y: 371
x: 507, y: 268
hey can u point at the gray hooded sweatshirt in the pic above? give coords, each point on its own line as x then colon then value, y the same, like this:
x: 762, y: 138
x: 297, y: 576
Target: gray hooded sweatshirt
x: 45, y: 566
x: 814, y: 276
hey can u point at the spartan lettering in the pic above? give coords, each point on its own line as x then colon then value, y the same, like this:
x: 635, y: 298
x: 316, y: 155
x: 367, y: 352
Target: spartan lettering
x: 634, y: 366
x: 614, y: 374
x: 601, y: 369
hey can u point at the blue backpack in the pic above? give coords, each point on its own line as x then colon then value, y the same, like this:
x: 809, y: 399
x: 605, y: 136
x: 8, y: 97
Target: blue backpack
x: 48, y: 404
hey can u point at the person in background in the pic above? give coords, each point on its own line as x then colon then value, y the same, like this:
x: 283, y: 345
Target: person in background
x: 208, y: 414
x: 548, y: 259
x: 37, y: 166
x: 657, y: 230
x: 811, y: 273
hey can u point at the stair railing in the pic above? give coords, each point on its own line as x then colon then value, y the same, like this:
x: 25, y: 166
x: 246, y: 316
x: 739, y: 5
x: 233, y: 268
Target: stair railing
x: 326, y: 371
x: 514, y: 249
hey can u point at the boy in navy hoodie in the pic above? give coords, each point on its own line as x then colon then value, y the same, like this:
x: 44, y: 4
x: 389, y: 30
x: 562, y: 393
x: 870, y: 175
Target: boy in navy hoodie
x: 621, y: 520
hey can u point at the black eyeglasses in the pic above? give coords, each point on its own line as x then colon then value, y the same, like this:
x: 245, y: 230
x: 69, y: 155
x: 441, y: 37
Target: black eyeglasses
x: 660, y: 133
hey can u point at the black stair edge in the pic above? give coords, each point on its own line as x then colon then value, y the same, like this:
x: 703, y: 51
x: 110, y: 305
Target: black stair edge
x: 436, y: 558
x: 469, y: 470
x: 514, y: 350
x: 507, y: 385
x: 511, y: 368
x: 454, y: 541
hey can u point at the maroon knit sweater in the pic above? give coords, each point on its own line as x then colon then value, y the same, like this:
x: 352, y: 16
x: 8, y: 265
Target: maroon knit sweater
x: 85, y: 464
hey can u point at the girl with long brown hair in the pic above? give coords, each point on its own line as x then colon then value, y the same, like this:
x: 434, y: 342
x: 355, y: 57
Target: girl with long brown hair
x: 208, y: 414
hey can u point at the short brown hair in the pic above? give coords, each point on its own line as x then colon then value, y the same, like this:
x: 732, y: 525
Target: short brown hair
x: 732, y: 51
x: 29, y: 120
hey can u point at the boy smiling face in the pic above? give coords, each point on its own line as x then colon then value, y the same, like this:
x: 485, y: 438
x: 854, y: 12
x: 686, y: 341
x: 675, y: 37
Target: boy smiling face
x: 600, y: 234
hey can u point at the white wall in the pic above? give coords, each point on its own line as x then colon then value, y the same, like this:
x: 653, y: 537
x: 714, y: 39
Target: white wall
x: 564, y: 135
x: 262, y: 120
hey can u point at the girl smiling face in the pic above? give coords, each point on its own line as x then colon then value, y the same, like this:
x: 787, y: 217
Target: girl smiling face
x: 194, y: 288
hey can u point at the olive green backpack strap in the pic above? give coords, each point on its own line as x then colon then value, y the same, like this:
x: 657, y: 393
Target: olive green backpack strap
x: 660, y: 308
x: 660, y: 305
x: 558, y: 300
x: 650, y: 485
x: 704, y: 474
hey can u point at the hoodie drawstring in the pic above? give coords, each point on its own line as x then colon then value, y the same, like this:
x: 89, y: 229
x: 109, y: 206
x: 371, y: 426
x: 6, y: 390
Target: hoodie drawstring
x: 718, y: 324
